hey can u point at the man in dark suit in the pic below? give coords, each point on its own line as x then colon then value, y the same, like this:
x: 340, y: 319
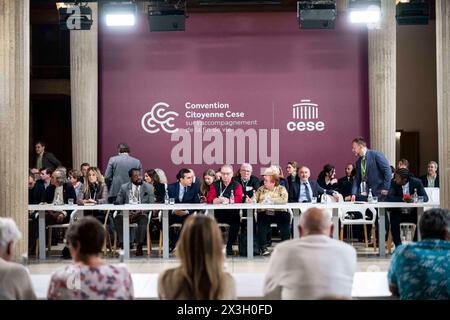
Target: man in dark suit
x: 403, y: 183
x: 345, y: 184
x: 183, y: 191
x: 431, y: 179
x: 36, y: 195
x: 372, y: 168
x: 58, y: 192
x: 138, y: 192
x: 45, y: 159
x: 304, y: 189
x: 249, y: 182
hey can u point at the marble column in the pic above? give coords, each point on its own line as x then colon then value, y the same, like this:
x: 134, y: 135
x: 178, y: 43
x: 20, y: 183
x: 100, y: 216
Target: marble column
x: 382, y: 82
x: 14, y: 114
x: 84, y: 92
x: 443, y: 97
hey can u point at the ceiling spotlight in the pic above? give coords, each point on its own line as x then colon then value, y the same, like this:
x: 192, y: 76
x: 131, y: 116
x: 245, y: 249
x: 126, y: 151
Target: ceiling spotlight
x: 317, y: 14
x: 365, y: 11
x: 119, y: 14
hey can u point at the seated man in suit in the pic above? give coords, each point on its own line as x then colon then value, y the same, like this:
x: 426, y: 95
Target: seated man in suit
x: 139, y: 192
x: 305, y: 189
x: 431, y: 179
x: 183, y: 191
x: 249, y: 182
x: 403, y: 184
x: 345, y: 183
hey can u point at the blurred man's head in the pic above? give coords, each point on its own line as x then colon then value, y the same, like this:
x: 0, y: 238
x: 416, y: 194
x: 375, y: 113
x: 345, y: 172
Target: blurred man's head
x: 58, y: 178
x: 246, y: 171
x: 304, y: 173
x: 403, y: 164
x: 401, y: 176
x: 348, y: 170
x: 84, y: 168
x: 432, y: 168
x: 135, y: 176
x: 435, y: 224
x: 359, y: 146
x: 315, y: 221
x: 185, y: 177
x: 39, y: 147
x: 226, y: 172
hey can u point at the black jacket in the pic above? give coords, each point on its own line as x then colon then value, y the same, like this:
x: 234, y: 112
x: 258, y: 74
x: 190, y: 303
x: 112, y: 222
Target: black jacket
x: 37, y: 194
x: 68, y: 193
x: 49, y: 161
x: 316, y: 190
x: 396, y: 190
x: 424, y: 180
x: 345, y: 186
x: 248, y: 188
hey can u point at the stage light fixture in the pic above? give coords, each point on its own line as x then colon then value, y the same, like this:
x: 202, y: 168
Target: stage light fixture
x: 316, y: 14
x: 119, y: 14
x: 167, y: 15
x: 412, y: 13
x: 365, y: 11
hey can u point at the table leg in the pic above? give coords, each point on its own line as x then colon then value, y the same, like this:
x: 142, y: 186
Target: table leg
x: 382, y: 231
x: 335, y: 223
x: 419, y: 216
x: 295, y: 222
x: 165, y: 222
x: 42, y: 235
x: 249, y: 233
x: 126, y: 234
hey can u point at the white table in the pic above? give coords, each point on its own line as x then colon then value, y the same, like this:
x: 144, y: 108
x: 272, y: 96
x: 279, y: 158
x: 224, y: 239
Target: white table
x: 249, y: 208
x: 248, y: 285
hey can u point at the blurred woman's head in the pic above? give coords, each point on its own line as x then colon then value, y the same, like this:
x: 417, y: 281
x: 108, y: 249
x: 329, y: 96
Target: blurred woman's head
x: 73, y: 176
x: 151, y: 176
x: 200, y: 251
x: 328, y: 171
x: 85, y: 238
x: 162, y: 176
x: 95, y: 176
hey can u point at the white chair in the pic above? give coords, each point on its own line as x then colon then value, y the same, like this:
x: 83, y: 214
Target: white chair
x: 345, y: 220
x: 433, y: 194
x: 74, y: 216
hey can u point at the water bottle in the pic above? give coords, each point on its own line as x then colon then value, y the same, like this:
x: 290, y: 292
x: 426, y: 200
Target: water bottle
x: 370, y: 196
x: 415, y: 196
x: 166, y: 198
x: 323, y: 198
x: 254, y: 197
x: 232, y: 197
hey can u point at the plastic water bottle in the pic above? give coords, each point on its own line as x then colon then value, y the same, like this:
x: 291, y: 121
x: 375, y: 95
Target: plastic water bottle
x: 370, y: 196
x: 323, y: 198
x: 166, y: 198
x: 232, y: 197
x: 415, y: 196
x: 254, y: 197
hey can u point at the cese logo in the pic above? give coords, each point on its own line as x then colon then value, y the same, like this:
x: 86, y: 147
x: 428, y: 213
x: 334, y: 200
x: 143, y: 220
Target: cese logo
x: 306, y: 126
x: 307, y: 115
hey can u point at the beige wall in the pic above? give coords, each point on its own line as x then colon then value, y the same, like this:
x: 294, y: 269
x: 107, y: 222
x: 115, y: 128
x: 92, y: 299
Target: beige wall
x: 416, y: 87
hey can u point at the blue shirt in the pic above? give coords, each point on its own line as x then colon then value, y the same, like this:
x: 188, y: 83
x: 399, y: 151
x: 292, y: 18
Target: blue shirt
x: 421, y: 270
x: 302, y: 194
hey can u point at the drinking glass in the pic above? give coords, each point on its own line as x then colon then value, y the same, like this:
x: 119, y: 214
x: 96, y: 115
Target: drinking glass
x: 363, y: 188
x: 420, y: 199
x: 70, y: 201
x: 314, y: 200
x: 374, y: 199
x: 172, y: 201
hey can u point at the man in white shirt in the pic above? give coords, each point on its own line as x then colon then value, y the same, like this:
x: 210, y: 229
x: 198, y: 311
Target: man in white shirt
x: 313, y: 267
x: 15, y: 282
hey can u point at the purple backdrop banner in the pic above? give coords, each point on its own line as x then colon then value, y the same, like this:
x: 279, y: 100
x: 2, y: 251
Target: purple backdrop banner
x: 233, y: 87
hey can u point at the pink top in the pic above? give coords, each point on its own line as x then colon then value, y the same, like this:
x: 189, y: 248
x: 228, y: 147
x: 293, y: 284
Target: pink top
x: 80, y: 282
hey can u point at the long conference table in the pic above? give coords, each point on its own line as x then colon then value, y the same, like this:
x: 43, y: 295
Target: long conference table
x: 247, y: 208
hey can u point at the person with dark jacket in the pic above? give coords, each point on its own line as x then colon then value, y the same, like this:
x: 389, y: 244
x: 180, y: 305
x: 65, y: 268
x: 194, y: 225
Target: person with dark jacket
x: 345, y: 183
x: 250, y: 183
x: 431, y: 179
x: 36, y: 195
x: 327, y: 179
x: 183, y: 191
x: 45, y: 159
x: 403, y: 184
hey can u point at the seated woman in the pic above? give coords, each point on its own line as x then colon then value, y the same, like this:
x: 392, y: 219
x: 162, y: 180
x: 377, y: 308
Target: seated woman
x: 272, y: 193
x: 327, y: 179
x: 208, y: 178
x: 151, y: 177
x: 94, y: 191
x: 200, y: 275
x: 88, y: 278
x: 74, y: 178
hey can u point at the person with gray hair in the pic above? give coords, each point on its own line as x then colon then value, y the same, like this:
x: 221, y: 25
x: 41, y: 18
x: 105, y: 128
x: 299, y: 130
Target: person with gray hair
x: 15, y: 282
x: 314, y: 266
x: 421, y: 270
x: 431, y: 179
x: 249, y: 182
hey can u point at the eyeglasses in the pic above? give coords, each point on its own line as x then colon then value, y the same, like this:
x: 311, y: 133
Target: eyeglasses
x: 226, y: 173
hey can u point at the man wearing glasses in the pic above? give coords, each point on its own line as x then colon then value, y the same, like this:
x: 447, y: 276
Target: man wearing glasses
x: 249, y: 182
x: 220, y: 193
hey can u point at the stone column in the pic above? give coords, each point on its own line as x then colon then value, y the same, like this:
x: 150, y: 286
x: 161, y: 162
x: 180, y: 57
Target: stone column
x: 84, y: 92
x: 443, y: 97
x: 14, y: 114
x: 382, y: 82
